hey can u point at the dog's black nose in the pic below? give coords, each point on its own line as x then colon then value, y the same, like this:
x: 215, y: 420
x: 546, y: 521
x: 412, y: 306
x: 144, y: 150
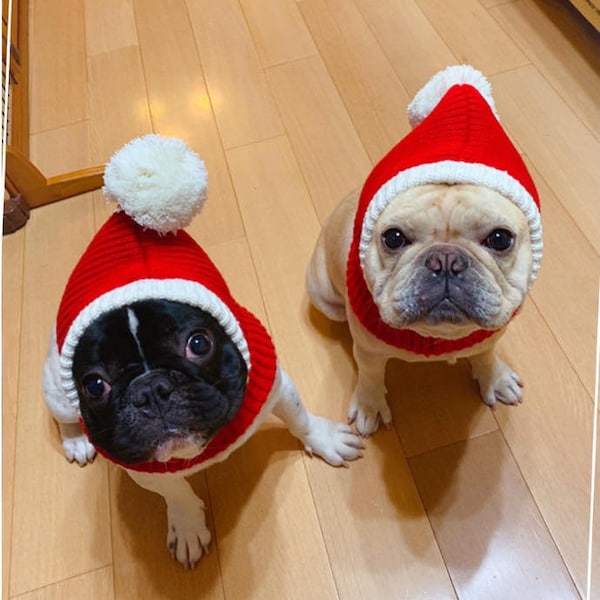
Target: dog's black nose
x: 151, y: 387
x: 446, y: 261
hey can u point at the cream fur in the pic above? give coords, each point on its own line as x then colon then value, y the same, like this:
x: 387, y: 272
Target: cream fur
x: 458, y: 214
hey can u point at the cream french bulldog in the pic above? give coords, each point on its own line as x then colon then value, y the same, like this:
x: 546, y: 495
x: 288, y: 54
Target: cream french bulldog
x: 152, y: 362
x: 435, y: 255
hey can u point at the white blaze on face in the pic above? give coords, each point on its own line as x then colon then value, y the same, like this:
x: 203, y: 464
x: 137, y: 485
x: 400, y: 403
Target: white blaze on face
x: 133, y: 329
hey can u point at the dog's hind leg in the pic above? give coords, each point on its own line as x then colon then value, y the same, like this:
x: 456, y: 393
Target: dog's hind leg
x: 320, y: 288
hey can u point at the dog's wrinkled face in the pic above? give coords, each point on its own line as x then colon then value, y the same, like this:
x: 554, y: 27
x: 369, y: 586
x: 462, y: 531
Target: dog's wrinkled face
x: 446, y: 260
x: 157, y: 379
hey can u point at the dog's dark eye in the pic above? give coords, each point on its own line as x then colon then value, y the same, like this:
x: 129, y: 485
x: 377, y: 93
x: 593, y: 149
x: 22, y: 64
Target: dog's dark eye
x: 394, y: 239
x: 199, y: 345
x: 94, y: 387
x: 499, y: 240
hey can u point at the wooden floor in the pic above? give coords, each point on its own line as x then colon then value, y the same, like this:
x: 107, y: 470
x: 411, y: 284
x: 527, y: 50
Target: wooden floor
x: 290, y: 104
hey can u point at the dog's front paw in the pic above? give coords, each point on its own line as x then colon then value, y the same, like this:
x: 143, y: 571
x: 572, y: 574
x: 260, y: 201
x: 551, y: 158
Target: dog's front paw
x: 335, y: 442
x: 499, y: 383
x: 76, y: 446
x: 188, y: 536
x: 368, y: 414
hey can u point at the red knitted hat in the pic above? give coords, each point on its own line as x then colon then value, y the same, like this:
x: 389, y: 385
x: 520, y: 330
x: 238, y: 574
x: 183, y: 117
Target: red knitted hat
x: 141, y: 254
x: 456, y: 138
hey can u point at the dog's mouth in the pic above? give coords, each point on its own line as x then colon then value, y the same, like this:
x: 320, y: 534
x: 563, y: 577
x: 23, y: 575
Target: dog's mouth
x: 179, y: 446
x: 447, y: 311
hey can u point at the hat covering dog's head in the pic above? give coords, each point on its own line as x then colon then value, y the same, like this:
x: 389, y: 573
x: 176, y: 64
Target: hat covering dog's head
x: 141, y: 253
x: 456, y: 138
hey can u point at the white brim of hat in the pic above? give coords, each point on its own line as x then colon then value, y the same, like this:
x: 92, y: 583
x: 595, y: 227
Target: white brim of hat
x: 177, y: 290
x: 455, y: 172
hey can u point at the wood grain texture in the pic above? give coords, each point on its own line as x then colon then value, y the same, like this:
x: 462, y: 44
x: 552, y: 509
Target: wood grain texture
x: 12, y: 301
x: 551, y: 432
x: 494, y: 540
x: 325, y: 143
x: 410, y: 42
x: 239, y: 95
x: 474, y: 36
x: 89, y: 586
x: 366, y: 82
x: 558, y: 43
x: 109, y: 26
x: 278, y: 31
x: 58, y: 34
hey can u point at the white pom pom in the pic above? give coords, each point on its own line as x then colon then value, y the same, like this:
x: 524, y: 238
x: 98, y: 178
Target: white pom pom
x: 435, y: 89
x: 159, y: 182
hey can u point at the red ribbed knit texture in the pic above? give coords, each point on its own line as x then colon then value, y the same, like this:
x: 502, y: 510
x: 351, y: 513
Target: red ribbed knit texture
x: 122, y: 253
x: 461, y: 128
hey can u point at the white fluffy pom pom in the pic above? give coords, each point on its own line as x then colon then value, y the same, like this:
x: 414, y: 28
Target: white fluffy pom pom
x: 435, y: 89
x: 159, y: 182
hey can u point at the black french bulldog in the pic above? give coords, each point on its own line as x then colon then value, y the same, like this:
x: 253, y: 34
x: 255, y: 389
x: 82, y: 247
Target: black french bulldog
x: 157, y: 382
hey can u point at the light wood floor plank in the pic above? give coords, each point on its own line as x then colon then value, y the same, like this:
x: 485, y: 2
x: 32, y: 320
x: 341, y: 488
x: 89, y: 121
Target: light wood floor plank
x: 278, y: 216
x: 241, y: 101
x: 180, y: 107
x: 129, y: 116
x: 492, y: 3
x: 262, y: 173
x: 128, y: 113
x: 370, y: 89
x: 281, y: 227
x: 558, y: 42
x: 109, y: 25
x: 473, y: 35
x: 375, y: 505
x: 71, y: 149
x: 57, y: 41
x: 558, y: 144
x: 550, y: 435
x: 332, y: 159
x: 257, y: 495
x: 97, y: 585
x: 278, y: 31
x: 492, y: 551
x: 435, y: 404
x: 567, y: 280
x: 412, y: 45
x: 12, y: 302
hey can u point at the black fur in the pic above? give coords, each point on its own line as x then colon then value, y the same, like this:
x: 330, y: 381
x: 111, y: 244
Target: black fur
x: 163, y: 394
